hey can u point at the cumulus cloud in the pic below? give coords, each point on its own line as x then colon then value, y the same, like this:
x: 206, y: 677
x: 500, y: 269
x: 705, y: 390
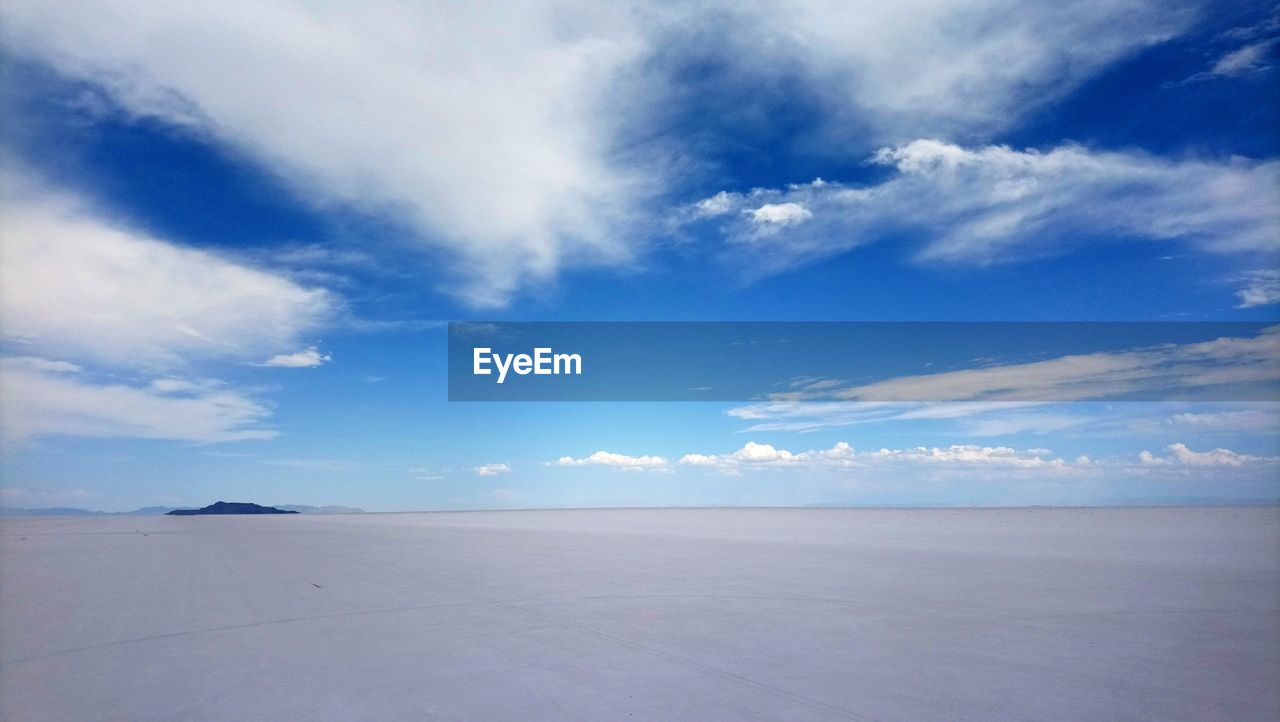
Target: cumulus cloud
x: 74, y: 283
x: 621, y: 461
x: 307, y: 358
x: 491, y: 469
x: 1262, y: 288
x: 44, y: 398
x: 755, y: 455
x: 780, y: 214
x: 1179, y: 454
x: 993, y: 204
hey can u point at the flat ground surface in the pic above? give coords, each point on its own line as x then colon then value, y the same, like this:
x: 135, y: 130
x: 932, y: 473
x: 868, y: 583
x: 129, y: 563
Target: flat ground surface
x: 1069, y: 614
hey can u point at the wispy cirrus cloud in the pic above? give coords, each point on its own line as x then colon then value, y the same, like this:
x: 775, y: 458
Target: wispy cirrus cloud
x: 993, y: 204
x: 49, y: 398
x: 491, y: 469
x: 1166, y: 369
x: 309, y: 357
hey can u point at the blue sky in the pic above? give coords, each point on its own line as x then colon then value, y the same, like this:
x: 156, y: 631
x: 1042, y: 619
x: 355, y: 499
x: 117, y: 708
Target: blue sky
x: 231, y: 239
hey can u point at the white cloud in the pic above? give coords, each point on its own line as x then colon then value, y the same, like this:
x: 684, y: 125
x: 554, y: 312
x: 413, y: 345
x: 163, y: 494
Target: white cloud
x: 1161, y: 370
x: 307, y: 358
x: 1250, y: 52
x: 479, y: 124
x: 994, y: 204
x: 488, y: 128
x: 955, y: 69
x: 974, y: 454
x: 43, y: 398
x: 1251, y: 57
x: 491, y: 469
x: 843, y: 456
x: 621, y: 461
x: 780, y: 214
x: 1179, y: 454
x: 73, y: 282
x: 1262, y: 289
x: 1237, y: 421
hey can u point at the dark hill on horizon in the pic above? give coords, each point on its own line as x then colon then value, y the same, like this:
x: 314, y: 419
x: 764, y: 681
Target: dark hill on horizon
x: 230, y: 507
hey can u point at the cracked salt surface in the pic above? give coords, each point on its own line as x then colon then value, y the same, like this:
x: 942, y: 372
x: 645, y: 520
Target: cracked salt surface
x: 977, y: 614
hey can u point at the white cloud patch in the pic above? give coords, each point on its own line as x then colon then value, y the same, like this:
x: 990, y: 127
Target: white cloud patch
x: 478, y: 124
x: 620, y: 461
x: 993, y: 204
x: 1180, y: 454
x: 780, y: 214
x: 491, y: 469
x: 1252, y: 57
x: 1262, y: 288
x: 307, y: 358
x: 1236, y: 421
x: 954, y: 69
x: 1252, y: 50
x: 755, y: 455
x: 74, y: 283
x: 44, y: 398
x: 1222, y: 362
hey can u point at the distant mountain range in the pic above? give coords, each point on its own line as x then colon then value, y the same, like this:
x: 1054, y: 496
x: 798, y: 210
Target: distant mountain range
x: 162, y: 510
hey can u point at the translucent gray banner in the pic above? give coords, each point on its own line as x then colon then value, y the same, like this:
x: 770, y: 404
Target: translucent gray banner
x: 863, y: 361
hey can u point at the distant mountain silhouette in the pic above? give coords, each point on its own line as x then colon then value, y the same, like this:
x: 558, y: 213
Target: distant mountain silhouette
x: 230, y: 507
x: 65, y: 511
x: 9, y: 511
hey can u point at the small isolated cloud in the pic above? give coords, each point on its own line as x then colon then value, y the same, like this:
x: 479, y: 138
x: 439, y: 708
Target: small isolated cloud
x: 491, y: 469
x: 1180, y: 454
x: 1254, y: 56
x: 305, y: 358
x: 1262, y: 288
x: 620, y: 461
x: 780, y: 214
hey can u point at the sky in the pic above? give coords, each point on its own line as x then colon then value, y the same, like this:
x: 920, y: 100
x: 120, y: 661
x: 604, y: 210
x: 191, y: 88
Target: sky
x: 233, y: 234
